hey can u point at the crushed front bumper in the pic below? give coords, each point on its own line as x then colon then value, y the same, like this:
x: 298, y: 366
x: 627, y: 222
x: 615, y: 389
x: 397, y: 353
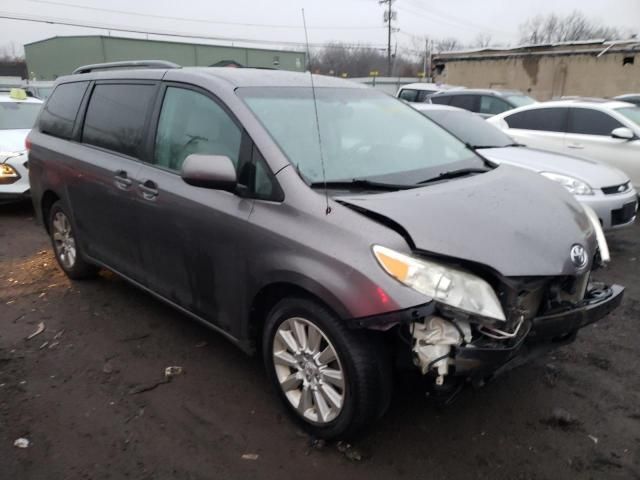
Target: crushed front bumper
x: 544, y: 333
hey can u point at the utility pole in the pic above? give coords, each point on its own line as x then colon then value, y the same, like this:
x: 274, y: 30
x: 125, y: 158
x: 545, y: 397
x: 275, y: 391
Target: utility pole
x: 389, y: 17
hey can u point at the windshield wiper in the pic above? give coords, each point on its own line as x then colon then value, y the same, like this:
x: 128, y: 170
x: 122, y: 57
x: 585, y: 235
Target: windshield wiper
x: 454, y: 174
x: 479, y: 147
x: 361, y: 183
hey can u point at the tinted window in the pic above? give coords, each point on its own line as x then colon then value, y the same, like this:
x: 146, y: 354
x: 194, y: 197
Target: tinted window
x: 116, y: 117
x: 440, y: 99
x: 409, y: 95
x: 493, y: 105
x: 59, y: 113
x: 544, y: 119
x: 191, y: 122
x: 468, y: 102
x: 591, y: 122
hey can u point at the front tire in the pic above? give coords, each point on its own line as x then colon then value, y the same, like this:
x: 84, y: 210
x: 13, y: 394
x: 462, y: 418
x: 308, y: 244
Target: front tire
x: 328, y: 376
x: 65, y: 245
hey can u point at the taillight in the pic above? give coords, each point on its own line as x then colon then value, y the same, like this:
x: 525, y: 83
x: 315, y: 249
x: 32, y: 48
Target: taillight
x: 27, y: 144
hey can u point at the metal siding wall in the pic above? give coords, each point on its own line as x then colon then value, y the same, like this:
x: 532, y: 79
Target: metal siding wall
x: 59, y: 56
x: 118, y: 49
x: 208, y: 55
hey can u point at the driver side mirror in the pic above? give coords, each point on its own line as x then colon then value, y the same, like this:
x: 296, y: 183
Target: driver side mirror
x: 210, y: 171
x: 623, y: 133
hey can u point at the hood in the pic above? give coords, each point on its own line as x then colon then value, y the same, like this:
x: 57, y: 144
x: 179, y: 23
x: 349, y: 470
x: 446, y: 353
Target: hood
x: 13, y: 140
x: 511, y: 220
x: 596, y: 175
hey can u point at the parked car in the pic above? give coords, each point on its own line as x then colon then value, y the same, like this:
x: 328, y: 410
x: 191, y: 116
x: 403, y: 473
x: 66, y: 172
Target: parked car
x: 338, y: 250
x: 602, y: 130
x: 38, y: 89
x: 18, y: 113
x: 485, y: 103
x: 605, y: 189
x: 630, y: 98
x: 420, y: 92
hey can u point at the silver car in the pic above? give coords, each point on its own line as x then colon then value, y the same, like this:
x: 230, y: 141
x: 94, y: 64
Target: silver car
x: 605, y: 189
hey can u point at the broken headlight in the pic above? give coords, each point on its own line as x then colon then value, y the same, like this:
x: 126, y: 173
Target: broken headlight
x: 449, y: 286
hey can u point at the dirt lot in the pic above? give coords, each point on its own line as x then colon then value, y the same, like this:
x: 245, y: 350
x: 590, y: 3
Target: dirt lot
x: 76, y: 391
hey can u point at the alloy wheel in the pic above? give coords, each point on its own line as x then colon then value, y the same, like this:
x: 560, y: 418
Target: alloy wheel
x: 63, y: 240
x: 309, y: 370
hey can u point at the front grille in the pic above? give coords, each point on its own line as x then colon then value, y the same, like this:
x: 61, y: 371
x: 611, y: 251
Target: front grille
x: 624, y: 214
x: 616, y: 189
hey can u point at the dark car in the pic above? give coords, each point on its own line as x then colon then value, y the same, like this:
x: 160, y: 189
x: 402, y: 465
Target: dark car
x: 486, y: 103
x: 333, y: 229
x: 630, y: 98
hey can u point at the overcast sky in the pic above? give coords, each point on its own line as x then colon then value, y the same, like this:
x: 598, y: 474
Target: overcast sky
x: 353, y: 21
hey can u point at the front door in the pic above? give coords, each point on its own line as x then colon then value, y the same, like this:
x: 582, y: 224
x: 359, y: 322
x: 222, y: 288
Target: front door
x: 192, y: 247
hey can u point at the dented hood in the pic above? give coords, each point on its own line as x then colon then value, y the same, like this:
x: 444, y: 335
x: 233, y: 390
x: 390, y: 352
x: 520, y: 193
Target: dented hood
x: 512, y: 220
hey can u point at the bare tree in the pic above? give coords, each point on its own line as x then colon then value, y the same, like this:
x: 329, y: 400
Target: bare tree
x: 572, y: 27
x: 447, y: 45
x: 482, y: 40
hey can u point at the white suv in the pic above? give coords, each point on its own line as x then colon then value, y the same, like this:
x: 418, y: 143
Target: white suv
x: 603, y: 130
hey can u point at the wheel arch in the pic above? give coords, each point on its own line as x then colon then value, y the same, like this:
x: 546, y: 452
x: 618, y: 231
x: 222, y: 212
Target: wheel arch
x: 49, y: 197
x: 273, y: 292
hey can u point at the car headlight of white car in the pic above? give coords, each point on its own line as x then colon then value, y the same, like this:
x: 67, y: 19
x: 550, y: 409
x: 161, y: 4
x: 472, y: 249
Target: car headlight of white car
x: 573, y: 185
x: 450, y: 286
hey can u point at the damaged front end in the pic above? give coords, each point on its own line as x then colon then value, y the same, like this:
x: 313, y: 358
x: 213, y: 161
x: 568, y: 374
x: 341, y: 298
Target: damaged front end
x: 450, y: 347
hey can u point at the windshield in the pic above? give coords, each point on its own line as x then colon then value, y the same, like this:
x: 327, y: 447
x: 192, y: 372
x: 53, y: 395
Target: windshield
x: 520, y: 100
x: 470, y: 128
x: 632, y: 113
x: 15, y: 115
x: 44, y: 92
x: 365, y: 134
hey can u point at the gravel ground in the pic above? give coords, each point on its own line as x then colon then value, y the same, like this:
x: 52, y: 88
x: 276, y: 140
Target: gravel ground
x: 86, y: 393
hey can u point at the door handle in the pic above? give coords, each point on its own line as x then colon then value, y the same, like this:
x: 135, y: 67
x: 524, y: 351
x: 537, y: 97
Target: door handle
x: 149, y: 189
x: 575, y: 145
x: 122, y: 180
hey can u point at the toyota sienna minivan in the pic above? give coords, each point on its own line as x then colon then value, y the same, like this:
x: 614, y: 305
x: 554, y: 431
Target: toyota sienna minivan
x: 329, y: 227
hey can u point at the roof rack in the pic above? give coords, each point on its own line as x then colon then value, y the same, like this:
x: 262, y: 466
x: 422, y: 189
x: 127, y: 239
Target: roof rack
x: 125, y: 65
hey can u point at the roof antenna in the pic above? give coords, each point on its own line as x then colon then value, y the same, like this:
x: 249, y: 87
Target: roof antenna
x: 315, y: 109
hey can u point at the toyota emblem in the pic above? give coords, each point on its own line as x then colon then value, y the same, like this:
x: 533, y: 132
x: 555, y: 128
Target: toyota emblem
x: 579, y: 256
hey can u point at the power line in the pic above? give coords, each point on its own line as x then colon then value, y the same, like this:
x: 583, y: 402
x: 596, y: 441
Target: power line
x: 200, y: 20
x: 72, y: 23
x: 429, y: 13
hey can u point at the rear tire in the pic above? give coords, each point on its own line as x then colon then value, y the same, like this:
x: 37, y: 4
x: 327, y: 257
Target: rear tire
x: 328, y: 376
x: 65, y: 245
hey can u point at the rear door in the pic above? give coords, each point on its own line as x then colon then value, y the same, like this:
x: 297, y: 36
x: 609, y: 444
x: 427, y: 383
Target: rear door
x: 102, y: 194
x: 192, y: 237
x: 543, y: 128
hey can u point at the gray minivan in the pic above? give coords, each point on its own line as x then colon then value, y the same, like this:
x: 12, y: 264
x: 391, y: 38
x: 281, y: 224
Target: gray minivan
x: 332, y: 228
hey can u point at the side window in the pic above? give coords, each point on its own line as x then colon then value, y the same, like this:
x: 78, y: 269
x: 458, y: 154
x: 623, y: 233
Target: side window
x: 264, y: 185
x: 543, y: 119
x: 591, y: 122
x: 424, y: 94
x: 408, y: 94
x: 468, y: 102
x: 59, y: 113
x: 440, y: 99
x: 493, y: 105
x: 116, y: 116
x: 191, y: 122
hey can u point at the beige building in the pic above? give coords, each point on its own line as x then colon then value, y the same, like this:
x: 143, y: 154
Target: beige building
x: 594, y: 68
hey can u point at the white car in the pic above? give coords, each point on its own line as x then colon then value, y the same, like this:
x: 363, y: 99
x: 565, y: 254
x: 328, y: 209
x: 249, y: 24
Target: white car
x: 420, y: 92
x: 18, y: 113
x: 603, y: 130
x: 605, y: 189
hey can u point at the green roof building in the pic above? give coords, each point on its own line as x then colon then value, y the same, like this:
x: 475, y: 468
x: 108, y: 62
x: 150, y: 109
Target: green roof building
x: 53, y: 57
